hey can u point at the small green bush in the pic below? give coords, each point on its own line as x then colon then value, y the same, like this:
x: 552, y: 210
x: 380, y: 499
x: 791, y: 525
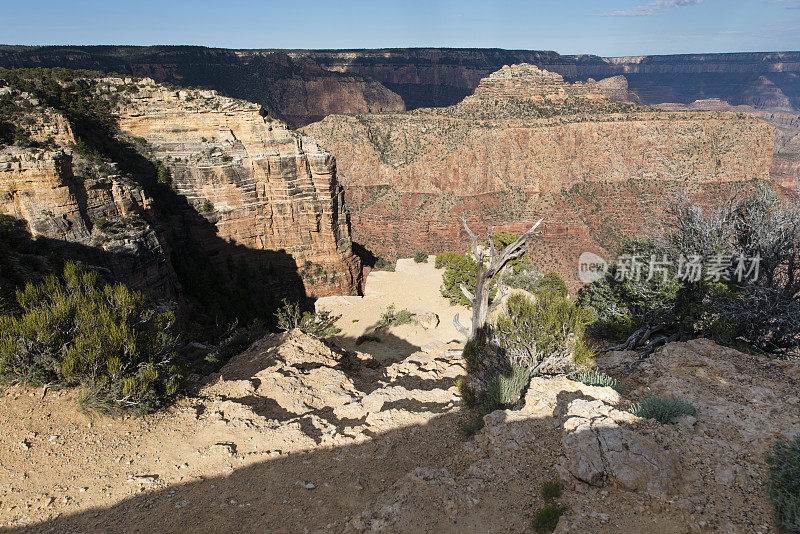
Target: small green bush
x: 382, y: 264
x: 420, y: 257
x: 546, y: 518
x: 592, y: 377
x: 783, y: 482
x: 506, y: 389
x: 535, y: 328
x: 364, y: 338
x: 395, y: 318
x: 663, y: 409
x: 443, y: 260
x: 551, y: 490
x: 320, y: 324
x: 78, y: 330
x: 208, y: 207
x: 459, y: 270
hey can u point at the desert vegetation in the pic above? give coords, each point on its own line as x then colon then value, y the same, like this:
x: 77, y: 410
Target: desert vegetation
x: 783, y: 483
x: 77, y: 330
x: 744, y: 289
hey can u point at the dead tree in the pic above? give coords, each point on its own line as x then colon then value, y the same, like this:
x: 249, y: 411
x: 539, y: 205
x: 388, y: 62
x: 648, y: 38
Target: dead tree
x: 485, y: 273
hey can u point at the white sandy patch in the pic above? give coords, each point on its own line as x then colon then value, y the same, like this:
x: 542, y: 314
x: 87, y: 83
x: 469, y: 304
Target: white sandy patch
x: 413, y: 286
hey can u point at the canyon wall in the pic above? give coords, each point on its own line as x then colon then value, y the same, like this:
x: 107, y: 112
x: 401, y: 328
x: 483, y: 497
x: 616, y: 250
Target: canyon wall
x: 261, y: 186
x: 295, y: 90
x: 69, y: 205
x: 526, y: 145
x: 427, y: 77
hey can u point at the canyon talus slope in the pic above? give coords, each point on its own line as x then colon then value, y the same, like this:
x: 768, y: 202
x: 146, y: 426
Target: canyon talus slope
x: 527, y: 145
x: 295, y: 435
x: 263, y: 187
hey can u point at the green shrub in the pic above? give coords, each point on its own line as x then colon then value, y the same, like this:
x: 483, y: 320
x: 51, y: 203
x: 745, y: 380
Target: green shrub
x: 320, y: 324
x: 546, y: 518
x: 79, y: 330
x: 364, y: 338
x: 382, y: 264
x: 420, y: 257
x: 663, y: 409
x: 551, y: 490
x: 211, y: 362
x: 443, y: 260
x: 529, y: 330
x: 595, y: 378
x: 395, y: 318
x: 622, y: 304
x: 506, y: 389
x: 535, y: 283
x: 714, y: 293
x: 208, y: 207
x: 459, y: 270
x: 783, y: 482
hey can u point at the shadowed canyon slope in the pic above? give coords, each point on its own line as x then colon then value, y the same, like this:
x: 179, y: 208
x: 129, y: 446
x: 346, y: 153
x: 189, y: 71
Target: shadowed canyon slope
x: 528, y: 145
x: 441, y: 77
x: 303, y: 86
x: 239, y: 193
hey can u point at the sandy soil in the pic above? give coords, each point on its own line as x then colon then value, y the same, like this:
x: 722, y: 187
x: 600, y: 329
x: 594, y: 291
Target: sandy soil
x: 413, y: 286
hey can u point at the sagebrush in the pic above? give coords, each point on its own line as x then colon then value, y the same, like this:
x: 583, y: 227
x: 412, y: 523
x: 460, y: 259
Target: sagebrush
x: 320, y: 324
x: 76, y: 329
x: 663, y: 409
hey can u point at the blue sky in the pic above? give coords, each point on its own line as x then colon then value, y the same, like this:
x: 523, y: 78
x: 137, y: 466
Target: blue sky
x: 603, y: 27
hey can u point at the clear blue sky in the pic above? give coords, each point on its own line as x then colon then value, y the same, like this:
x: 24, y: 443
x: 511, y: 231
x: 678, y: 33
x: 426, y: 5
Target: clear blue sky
x: 603, y: 27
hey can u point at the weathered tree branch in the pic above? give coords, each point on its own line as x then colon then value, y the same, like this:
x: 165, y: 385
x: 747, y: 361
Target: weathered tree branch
x: 485, y: 273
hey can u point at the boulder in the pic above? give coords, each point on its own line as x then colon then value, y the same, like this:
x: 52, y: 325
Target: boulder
x: 600, y: 450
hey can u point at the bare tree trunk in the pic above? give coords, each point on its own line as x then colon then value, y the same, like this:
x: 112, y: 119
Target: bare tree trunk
x: 484, y: 274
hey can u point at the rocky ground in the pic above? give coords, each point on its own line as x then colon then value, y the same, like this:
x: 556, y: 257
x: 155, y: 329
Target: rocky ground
x: 296, y: 436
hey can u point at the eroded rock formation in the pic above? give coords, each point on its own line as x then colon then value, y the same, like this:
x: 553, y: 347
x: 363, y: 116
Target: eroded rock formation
x: 527, y: 145
x: 262, y: 186
x: 83, y: 210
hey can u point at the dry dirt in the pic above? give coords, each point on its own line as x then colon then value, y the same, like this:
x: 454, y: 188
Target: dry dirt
x: 412, y: 286
x: 296, y: 436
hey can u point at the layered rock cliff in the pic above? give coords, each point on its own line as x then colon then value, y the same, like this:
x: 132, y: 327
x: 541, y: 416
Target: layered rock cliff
x: 441, y: 77
x: 785, y: 169
x: 295, y: 90
x: 526, y: 145
x: 81, y: 210
x: 262, y: 186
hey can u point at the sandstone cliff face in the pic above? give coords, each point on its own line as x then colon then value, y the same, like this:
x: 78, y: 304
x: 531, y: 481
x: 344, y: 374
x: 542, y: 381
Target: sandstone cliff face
x: 263, y: 187
x: 296, y: 90
x: 527, y: 145
x: 84, y: 211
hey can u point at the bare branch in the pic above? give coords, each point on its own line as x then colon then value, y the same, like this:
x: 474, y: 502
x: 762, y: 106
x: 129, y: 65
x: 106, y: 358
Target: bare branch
x: 473, y: 237
x: 467, y: 293
x: 460, y: 327
x: 492, y: 246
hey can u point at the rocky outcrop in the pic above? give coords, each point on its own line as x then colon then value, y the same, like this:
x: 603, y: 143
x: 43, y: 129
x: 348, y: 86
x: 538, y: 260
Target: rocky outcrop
x: 262, y: 186
x: 599, y: 450
x: 616, y: 88
x: 527, y: 145
x: 84, y: 211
